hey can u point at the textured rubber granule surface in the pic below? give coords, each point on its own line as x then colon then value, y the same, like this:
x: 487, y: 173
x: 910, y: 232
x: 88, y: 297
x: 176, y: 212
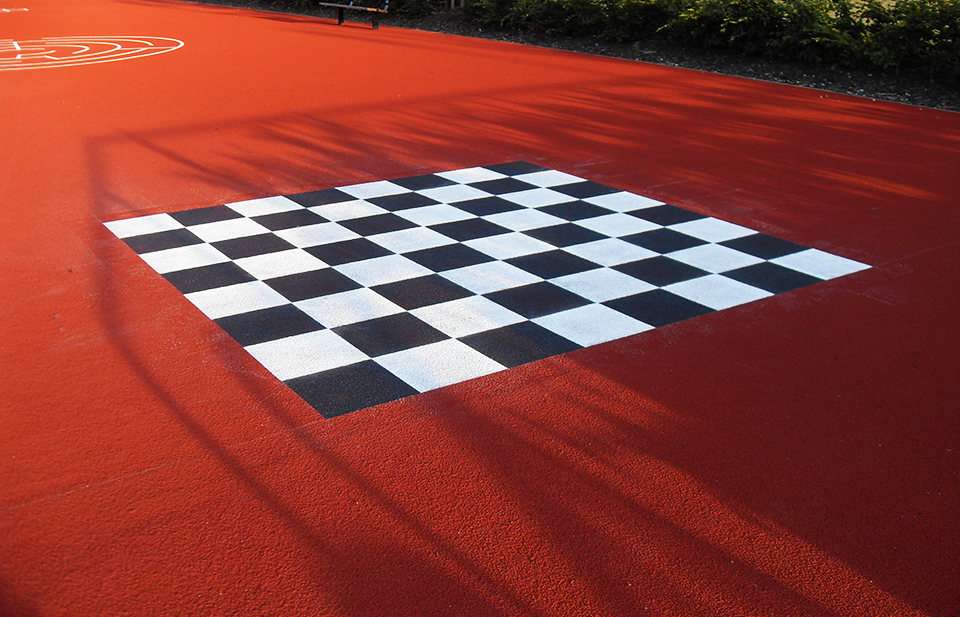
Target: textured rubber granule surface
x: 795, y: 455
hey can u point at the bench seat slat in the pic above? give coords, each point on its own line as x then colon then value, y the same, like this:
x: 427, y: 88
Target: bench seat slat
x: 374, y: 18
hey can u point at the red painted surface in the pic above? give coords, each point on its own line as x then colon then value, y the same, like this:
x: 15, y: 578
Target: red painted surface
x: 796, y: 456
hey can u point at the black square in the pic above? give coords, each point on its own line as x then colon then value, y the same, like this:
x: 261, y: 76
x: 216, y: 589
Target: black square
x: 289, y: 219
x: 763, y: 246
x: 378, y: 337
x: 448, y: 257
x: 552, y: 264
x: 267, y: 324
x: 162, y: 240
x: 305, y: 285
x: 516, y: 168
x: 403, y: 201
x: 666, y: 215
x: 205, y: 215
x: 537, y: 300
x: 658, y: 307
x: 519, y: 344
x: 575, y: 210
x: 663, y: 240
x: 320, y: 198
x: 249, y: 246
x: 582, y: 190
x: 469, y: 229
x: 660, y: 271
x: 422, y: 291
x: 377, y: 224
x: 349, y: 388
x: 565, y: 235
x: 347, y: 251
x: 771, y: 277
x: 208, y: 277
x: 486, y: 206
x: 502, y: 186
x: 420, y: 183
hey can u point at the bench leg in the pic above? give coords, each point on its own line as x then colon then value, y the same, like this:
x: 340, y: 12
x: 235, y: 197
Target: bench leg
x: 376, y: 20
x: 339, y: 16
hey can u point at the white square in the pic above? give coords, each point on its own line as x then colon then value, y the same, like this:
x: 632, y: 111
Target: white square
x: 712, y: 230
x: 473, y: 174
x: 490, y: 276
x: 266, y: 205
x: 369, y: 190
x: 381, y: 270
x: 315, y: 235
x: 523, y: 220
x: 536, y: 198
x: 602, y: 284
x: 305, y: 354
x: 346, y: 210
x: 348, y: 307
x: 413, y: 239
x: 142, y: 225
x: 434, y: 215
x: 623, y: 202
x: 506, y: 246
x: 433, y: 366
x: 617, y: 225
x: 610, y: 252
x: 466, y: 316
x: 716, y: 291
x: 453, y: 193
x: 235, y: 299
x: 228, y: 230
x: 592, y: 324
x: 714, y: 258
x: 280, y: 263
x: 183, y: 258
x: 548, y: 178
x: 819, y: 264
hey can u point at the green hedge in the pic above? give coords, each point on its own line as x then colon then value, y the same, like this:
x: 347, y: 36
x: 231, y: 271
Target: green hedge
x: 915, y: 35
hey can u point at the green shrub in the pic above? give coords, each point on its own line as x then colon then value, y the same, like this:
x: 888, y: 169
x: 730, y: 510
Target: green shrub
x: 812, y: 31
x: 633, y: 20
x: 490, y: 12
x: 415, y: 7
x: 916, y: 35
x: 747, y: 26
x: 569, y: 17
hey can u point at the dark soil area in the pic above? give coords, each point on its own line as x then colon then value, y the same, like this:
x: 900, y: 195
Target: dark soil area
x: 907, y: 89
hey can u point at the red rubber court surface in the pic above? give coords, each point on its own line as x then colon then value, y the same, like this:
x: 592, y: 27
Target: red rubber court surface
x: 793, y: 456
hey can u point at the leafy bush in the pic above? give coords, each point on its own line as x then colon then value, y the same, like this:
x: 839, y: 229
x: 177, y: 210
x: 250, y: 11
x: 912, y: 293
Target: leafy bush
x: 571, y: 17
x: 740, y: 25
x: 632, y: 20
x: 415, y: 7
x: 916, y: 35
x: 814, y: 31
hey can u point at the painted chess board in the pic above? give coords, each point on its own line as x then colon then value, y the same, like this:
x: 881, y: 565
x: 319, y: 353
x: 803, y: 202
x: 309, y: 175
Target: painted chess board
x: 364, y: 294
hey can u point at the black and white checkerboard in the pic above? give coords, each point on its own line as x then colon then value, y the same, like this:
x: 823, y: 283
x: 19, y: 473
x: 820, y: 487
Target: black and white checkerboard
x: 368, y: 293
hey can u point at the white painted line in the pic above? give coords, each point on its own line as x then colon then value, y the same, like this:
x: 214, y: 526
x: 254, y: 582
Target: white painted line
x: 52, y: 52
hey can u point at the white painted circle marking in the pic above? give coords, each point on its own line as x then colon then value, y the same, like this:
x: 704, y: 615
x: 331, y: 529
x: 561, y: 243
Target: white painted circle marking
x: 51, y: 52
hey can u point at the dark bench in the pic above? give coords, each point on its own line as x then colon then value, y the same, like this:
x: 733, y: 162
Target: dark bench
x: 374, y: 13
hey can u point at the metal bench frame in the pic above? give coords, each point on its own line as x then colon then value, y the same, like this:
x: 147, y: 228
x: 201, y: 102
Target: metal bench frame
x: 374, y: 13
